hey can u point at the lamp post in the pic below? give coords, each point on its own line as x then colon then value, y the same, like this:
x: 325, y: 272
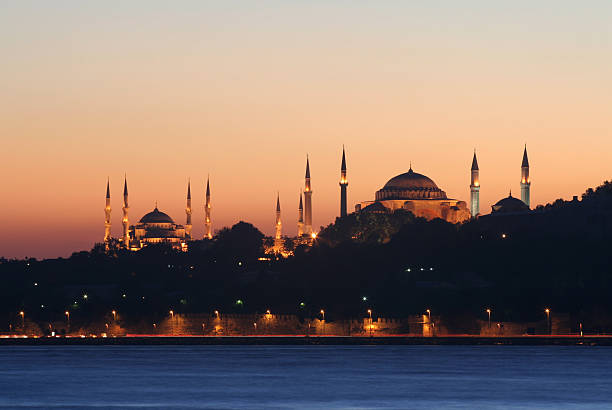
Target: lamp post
x: 67, y: 313
x: 370, y: 313
x: 217, y: 314
x: 22, y: 314
x: 323, y: 314
x: 114, y: 312
x: 548, y: 324
x: 429, y: 314
x: 489, y: 313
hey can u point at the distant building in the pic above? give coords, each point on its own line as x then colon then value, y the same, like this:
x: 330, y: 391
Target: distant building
x: 156, y: 227
x: 418, y: 194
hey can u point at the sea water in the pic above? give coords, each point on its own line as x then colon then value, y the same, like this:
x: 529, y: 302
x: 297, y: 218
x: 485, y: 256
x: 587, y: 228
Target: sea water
x: 304, y: 377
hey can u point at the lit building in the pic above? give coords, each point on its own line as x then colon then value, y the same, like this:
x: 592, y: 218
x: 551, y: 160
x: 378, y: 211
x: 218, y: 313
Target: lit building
x: 418, y: 194
x: 156, y: 226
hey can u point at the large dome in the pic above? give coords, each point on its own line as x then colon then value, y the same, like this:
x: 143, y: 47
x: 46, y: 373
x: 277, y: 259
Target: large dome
x: 410, y: 180
x: 410, y: 185
x: 156, y: 217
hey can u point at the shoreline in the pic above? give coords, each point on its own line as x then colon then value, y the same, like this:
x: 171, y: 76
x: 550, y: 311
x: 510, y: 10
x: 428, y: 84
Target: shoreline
x: 463, y: 340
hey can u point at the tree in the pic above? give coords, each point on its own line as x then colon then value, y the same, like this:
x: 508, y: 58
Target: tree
x: 242, y: 241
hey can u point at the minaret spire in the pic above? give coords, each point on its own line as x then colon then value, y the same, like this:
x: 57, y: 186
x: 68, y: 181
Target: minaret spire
x: 107, y: 215
x: 188, y: 224
x: 300, y: 224
x: 207, y: 209
x: 343, y: 185
x: 475, y: 188
x: 125, y: 220
x: 307, y: 201
x: 278, y: 235
x: 525, y: 181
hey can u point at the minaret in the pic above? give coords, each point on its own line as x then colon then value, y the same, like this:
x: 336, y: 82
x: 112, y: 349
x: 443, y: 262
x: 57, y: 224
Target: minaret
x: 125, y: 221
x: 279, y: 226
x: 475, y: 189
x: 307, y: 201
x: 525, y: 181
x: 107, y: 213
x: 207, y: 223
x: 343, y: 185
x: 188, y: 213
x: 300, y: 224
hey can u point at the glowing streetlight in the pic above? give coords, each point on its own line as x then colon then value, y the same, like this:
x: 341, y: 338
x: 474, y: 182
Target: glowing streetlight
x: 67, y: 313
x: 114, y: 312
x: 370, y: 313
x: 429, y: 314
x: 171, y: 314
x: 489, y: 313
x: 548, y: 324
x: 323, y: 314
x: 22, y: 314
x: 217, y: 314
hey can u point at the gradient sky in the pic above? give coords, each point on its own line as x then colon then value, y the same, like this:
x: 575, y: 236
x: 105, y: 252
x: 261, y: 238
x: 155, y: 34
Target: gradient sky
x: 164, y: 91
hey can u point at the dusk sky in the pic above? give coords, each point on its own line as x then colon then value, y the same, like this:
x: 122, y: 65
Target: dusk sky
x: 166, y: 91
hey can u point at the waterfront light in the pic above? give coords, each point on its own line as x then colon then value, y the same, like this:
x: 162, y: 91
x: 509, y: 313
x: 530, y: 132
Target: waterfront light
x: 172, y: 313
x: 217, y: 314
x: 548, y: 324
x: 429, y: 314
x: 489, y: 313
x: 114, y: 312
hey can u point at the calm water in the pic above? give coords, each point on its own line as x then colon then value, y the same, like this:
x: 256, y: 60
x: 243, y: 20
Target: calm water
x: 433, y: 377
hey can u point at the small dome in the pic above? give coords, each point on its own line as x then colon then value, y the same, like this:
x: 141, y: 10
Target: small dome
x: 156, y: 217
x: 510, y: 204
x: 410, y: 180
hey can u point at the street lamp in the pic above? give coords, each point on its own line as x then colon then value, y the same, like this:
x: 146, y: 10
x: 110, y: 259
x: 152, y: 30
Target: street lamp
x: 489, y: 313
x: 114, y: 312
x: 429, y: 314
x: 171, y: 314
x: 370, y: 313
x: 323, y: 314
x: 67, y: 313
x: 217, y: 314
x: 22, y: 314
x: 548, y: 324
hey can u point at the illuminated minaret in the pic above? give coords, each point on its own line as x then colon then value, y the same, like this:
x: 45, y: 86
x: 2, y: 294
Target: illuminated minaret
x: 475, y: 189
x: 107, y: 213
x: 188, y: 212
x: 525, y: 181
x: 207, y: 223
x: 343, y: 185
x: 307, y: 201
x: 125, y: 221
x: 279, y: 226
x: 300, y: 225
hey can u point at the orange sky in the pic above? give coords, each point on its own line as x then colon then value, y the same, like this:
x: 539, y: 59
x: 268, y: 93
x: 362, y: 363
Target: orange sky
x: 166, y: 93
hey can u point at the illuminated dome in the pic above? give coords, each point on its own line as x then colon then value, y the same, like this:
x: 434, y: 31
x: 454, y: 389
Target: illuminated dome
x: 410, y: 185
x: 156, y: 217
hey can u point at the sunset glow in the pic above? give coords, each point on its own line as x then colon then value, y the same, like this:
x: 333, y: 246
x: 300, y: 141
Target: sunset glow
x: 243, y: 92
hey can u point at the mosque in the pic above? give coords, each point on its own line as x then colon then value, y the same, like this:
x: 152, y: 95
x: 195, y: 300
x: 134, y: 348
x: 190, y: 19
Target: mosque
x: 410, y: 191
x: 155, y: 227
